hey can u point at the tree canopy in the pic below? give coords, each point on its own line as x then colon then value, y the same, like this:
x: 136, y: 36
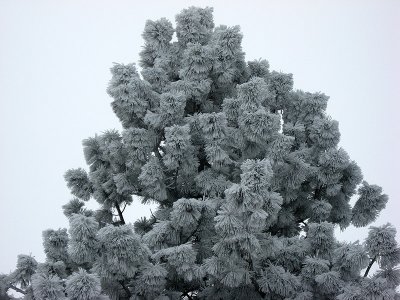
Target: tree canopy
x: 247, y: 174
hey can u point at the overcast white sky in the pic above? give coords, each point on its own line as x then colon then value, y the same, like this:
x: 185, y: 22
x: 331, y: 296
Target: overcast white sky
x: 54, y: 68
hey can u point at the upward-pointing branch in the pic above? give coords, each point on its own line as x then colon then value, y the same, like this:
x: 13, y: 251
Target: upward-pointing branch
x: 370, y: 265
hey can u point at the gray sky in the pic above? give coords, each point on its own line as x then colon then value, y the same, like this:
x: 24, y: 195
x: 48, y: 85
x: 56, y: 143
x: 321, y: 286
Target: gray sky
x: 54, y: 68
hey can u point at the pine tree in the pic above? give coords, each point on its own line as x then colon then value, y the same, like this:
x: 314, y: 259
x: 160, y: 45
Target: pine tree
x: 247, y: 174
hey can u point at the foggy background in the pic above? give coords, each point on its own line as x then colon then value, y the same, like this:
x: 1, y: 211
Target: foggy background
x: 54, y: 69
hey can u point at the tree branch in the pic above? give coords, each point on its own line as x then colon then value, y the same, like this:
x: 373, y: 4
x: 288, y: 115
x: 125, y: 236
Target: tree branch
x: 203, y: 163
x: 127, y: 291
x: 176, y: 180
x: 194, y: 231
x: 253, y: 279
x: 11, y: 286
x: 121, y: 217
x: 257, y: 286
x: 124, y: 207
x: 159, y: 156
x: 171, y: 192
x: 370, y: 265
x: 153, y: 215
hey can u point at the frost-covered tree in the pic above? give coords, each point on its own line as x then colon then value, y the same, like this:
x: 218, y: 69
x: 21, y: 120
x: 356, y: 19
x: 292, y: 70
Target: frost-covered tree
x: 247, y: 174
